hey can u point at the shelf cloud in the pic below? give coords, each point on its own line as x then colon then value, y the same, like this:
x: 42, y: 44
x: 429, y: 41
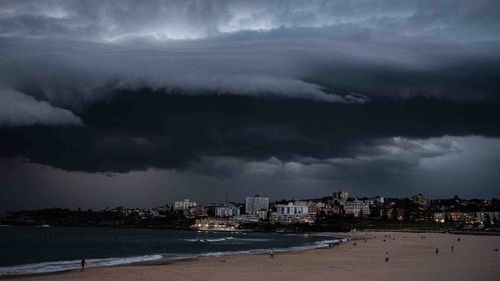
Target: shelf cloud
x: 18, y: 109
x: 194, y: 87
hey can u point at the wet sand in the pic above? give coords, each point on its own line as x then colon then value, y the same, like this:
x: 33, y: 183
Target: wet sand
x: 411, y: 258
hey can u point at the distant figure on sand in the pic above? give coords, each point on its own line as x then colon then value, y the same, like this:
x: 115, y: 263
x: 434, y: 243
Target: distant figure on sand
x: 386, y: 256
x: 452, y: 248
x: 271, y: 254
x: 437, y: 251
x: 458, y: 240
x: 82, y: 264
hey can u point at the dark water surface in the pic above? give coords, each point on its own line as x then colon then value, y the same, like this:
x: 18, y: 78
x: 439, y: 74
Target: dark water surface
x: 27, y: 249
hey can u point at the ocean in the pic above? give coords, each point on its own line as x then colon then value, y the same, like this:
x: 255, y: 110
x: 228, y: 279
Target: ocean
x: 30, y: 249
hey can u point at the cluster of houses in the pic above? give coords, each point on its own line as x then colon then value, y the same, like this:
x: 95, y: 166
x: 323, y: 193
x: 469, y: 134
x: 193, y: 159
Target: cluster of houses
x: 420, y: 208
x: 259, y: 209
x: 255, y: 209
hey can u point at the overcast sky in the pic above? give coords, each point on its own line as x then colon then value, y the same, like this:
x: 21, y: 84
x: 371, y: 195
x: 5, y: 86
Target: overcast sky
x: 137, y: 103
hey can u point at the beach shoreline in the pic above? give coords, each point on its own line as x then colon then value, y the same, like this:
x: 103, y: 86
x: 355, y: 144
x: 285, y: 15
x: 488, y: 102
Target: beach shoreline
x: 326, y: 239
x: 410, y: 254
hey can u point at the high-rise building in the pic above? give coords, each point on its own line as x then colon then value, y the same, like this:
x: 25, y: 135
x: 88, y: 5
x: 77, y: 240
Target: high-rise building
x: 256, y: 203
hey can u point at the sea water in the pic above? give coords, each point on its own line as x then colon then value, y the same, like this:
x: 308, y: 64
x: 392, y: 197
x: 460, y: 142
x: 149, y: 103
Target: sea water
x: 28, y: 249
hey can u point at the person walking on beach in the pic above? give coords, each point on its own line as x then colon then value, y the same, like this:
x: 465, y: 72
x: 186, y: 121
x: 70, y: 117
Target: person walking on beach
x: 386, y: 257
x: 271, y: 254
x: 82, y: 264
x: 452, y: 248
x: 437, y: 251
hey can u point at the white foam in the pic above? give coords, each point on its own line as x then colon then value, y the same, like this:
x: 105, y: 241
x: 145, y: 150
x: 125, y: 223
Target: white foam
x: 54, y: 266
x: 310, y: 246
x: 210, y: 240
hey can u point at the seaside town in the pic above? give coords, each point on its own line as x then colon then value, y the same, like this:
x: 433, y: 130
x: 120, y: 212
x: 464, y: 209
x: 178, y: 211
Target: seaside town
x: 338, y: 212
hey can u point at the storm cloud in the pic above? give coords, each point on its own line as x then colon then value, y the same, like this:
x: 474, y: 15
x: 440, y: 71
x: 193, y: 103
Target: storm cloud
x: 108, y: 20
x: 144, y: 128
x: 18, y: 109
x: 72, y: 54
x: 333, y: 90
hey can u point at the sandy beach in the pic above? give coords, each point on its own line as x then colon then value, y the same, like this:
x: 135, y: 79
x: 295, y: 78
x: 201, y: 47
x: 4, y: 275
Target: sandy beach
x: 411, y: 258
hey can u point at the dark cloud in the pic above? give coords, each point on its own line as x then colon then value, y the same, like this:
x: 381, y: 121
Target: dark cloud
x: 72, y: 54
x: 107, y: 20
x: 74, y: 75
x: 28, y: 185
x: 18, y: 109
x: 267, y: 93
x: 437, y: 167
x: 142, y: 129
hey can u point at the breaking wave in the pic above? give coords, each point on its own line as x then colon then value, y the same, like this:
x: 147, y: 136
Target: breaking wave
x: 58, y: 266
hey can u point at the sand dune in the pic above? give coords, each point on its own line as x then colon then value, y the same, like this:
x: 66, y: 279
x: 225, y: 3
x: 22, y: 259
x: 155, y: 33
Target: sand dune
x: 411, y: 258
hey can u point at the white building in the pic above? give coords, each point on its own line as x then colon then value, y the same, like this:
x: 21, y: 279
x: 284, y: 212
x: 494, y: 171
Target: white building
x: 291, y: 213
x: 291, y: 209
x: 254, y: 216
x: 256, y: 203
x: 227, y: 211
x: 356, y: 208
x: 249, y: 218
x: 184, y: 205
x: 212, y: 224
x: 482, y: 217
x: 439, y: 217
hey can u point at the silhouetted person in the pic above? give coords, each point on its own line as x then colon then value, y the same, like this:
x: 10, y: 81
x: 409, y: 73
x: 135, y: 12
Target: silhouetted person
x: 271, y: 254
x: 437, y: 251
x: 386, y: 256
x: 458, y: 240
x: 452, y: 248
x: 82, y: 264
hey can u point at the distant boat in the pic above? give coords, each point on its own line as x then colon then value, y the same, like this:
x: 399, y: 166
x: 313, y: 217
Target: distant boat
x: 43, y: 225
